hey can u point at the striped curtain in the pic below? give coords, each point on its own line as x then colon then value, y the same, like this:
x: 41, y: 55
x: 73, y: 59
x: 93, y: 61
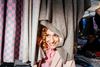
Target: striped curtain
x: 14, y: 30
x: 1, y: 25
x: 10, y: 29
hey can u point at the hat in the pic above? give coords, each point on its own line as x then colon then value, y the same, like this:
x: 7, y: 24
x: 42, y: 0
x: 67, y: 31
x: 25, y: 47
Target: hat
x: 94, y: 5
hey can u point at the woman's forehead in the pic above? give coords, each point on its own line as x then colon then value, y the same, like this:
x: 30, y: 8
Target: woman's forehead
x: 50, y: 32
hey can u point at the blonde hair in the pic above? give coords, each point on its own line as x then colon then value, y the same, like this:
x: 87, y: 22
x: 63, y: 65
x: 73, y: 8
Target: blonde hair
x: 98, y: 11
x: 43, y: 35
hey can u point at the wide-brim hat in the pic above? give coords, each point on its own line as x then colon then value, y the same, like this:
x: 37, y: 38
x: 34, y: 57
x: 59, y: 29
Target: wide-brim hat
x: 95, y: 5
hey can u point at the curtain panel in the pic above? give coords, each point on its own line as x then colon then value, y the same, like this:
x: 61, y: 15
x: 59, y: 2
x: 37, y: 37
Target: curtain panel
x: 14, y: 31
x: 19, y: 20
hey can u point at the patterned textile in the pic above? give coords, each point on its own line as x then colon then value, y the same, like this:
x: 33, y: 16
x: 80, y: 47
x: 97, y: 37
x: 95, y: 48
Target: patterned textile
x: 1, y: 24
x: 19, y: 6
x: 12, y: 26
x: 10, y: 31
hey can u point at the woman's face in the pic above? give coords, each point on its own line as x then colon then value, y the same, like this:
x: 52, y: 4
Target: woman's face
x: 98, y: 11
x: 52, y: 39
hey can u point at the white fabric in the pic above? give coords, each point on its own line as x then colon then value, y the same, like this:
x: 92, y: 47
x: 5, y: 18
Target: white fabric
x: 24, y: 34
x: 30, y: 30
x: 35, y: 15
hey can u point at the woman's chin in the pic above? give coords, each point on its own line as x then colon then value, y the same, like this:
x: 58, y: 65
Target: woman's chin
x: 52, y: 47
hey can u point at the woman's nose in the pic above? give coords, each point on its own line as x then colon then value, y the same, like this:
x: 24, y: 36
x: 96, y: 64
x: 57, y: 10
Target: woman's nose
x: 51, y: 39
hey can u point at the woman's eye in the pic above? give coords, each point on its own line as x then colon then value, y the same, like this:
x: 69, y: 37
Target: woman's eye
x: 47, y: 35
x: 55, y: 35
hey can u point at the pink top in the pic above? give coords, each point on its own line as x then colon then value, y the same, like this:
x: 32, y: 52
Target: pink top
x: 49, y: 54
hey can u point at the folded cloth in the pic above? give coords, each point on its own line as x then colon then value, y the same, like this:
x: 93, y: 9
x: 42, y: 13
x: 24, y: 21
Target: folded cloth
x: 97, y: 54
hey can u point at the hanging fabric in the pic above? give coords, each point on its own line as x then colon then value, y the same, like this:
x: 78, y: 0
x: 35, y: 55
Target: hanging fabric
x: 19, y: 16
x: 95, y: 26
x: 14, y: 27
x: 19, y: 25
x: 10, y: 28
x: 1, y: 25
x: 69, y: 41
x: 23, y: 54
x: 35, y: 15
x: 97, y: 18
x: 62, y: 22
x: 83, y: 26
x: 10, y: 31
x: 30, y: 30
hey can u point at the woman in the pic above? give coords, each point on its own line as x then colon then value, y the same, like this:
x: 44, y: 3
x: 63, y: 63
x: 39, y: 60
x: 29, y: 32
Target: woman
x: 48, y: 42
x: 97, y: 17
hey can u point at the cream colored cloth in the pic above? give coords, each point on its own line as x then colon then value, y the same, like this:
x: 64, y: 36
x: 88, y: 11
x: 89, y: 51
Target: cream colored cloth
x: 61, y: 17
x: 35, y: 16
x: 64, y: 18
x: 23, y: 54
x: 57, y: 62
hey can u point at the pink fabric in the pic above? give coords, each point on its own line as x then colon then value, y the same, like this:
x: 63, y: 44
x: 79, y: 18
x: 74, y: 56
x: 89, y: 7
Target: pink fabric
x: 1, y: 23
x: 49, y: 54
x: 10, y: 31
x: 94, y: 24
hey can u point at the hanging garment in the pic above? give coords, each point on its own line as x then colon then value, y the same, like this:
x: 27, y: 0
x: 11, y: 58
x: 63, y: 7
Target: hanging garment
x: 57, y: 17
x: 75, y: 20
x: 90, y: 27
x: 30, y: 30
x: 58, y: 62
x: 10, y: 31
x: 95, y: 25
x: 35, y: 16
x: 82, y: 6
x: 1, y: 24
x: 23, y: 53
x: 84, y: 23
x: 19, y: 11
x: 80, y: 9
x: 83, y: 26
x: 62, y: 23
x: 14, y: 31
x: 87, y: 4
x: 79, y: 6
x: 97, y: 20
